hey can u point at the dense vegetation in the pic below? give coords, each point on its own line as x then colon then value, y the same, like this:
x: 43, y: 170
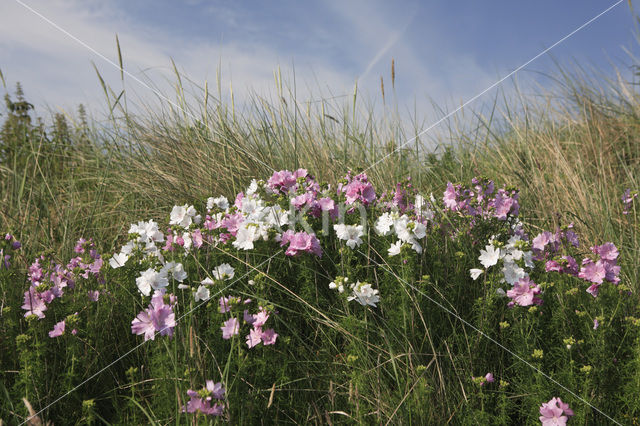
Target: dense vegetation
x: 438, y: 342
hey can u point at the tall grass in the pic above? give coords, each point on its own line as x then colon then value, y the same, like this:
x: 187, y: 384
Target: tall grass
x: 571, y: 151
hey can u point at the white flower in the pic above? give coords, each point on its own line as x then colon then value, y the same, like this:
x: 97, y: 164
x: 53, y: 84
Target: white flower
x: 223, y: 272
x: 276, y: 216
x: 183, y: 287
x: 475, y: 273
x: 207, y: 281
x: 349, y: 233
x: 182, y: 215
x: 419, y: 230
x: 201, y: 294
x: 147, y: 232
x: 401, y: 226
x: 489, y: 256
x: 220, y: 202
x: 383, y: 224
x: 151, y: 279
x: 395, y: 248
x: 186, y: 237
x: 364, y: 294
x: 528, y: 259
x: 118, y: 260
x: 512, y: 272
x: 245, y: 237
x: 500, y: 292
x: 176, y: 269
x: 253, y: 187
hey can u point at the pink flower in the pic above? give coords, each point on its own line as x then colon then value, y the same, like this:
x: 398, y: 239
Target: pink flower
x: 260, y: 318
x: 607, y: 251
x: 489, y: 378
x: 225, y: 306
x: 359, y: 189
x: 203, y: 405
x: 451, y: 197
x: 142, y: 324
x: 593, y: 272
x: 254, y: 337
x: 196, y: 237
x: 524, y: 291
x: 593, y: 289
x: 269, y: 337
x: 58, y: 329
x: 300, y: 242
x: 93, y: 295
x: 158, y: 317
x: 230, y: 328
x: 33, y: 303
x: 555, y: 412
x: 540, y: 241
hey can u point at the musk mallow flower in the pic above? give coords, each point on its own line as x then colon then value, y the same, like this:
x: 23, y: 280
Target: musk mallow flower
x: 223, y: 272
x: 176, y: 269
x: 58, y: 329
x: 475, y: 273
x: 230, y: 328
x: 245, y: 237
x: 93, y: 295
x: 200, y: 401
x: 269, y: 337
x: 220, y: 202
x: 555, y: 412
x: 364, y: 294
x: 350, y: 233
x: 489, y: 256
x: 395, y: 248
x: 158, y: 317
x: 594, y: 272
x: 183, y: 216
x: 300, y: 242
x: 33, y: 303
x: 151, y: 279
x: 201, y: 294
x: 524, y: 292
x: 384, y: 224
x: 118, y: 260
x: 254, y: 337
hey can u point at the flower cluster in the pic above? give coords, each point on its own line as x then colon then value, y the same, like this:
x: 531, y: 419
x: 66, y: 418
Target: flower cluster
x: 357, y: 189
x: 481, y: 199
x: 8, y: 245
x: 49, y: 279
x: 257, y: 334
x: 595, y: 269
x: 200, y: 401
x: 555, y: 412
x: 408, y: 231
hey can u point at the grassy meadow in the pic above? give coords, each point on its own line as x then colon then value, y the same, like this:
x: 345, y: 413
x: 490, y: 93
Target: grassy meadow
x: 420, y: 353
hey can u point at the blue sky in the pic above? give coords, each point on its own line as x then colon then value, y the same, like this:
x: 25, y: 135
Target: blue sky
x: 444, y: 51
